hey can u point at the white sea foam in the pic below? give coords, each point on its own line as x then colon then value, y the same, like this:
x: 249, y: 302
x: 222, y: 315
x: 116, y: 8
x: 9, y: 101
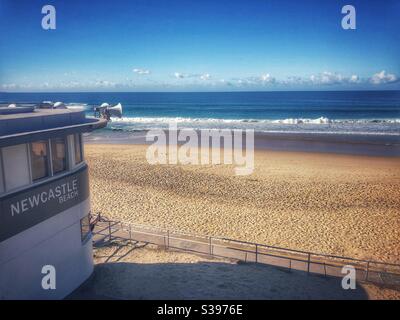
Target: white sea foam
x: 320, y: 120
x: 390, y: 127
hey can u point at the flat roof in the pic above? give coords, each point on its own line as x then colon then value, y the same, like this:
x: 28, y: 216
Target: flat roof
x: 22, y: 125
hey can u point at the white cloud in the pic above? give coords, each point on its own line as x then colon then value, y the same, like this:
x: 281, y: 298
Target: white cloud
x: 179, y: 75
x: 267, y: 78
x: 330, y: 78
x: 9, y: 86
x: 327, y: 78
x: 205, y: 80
x: 19, y: 87
x: 205, y: 76
x: 141, y: 71
x: 323, y: 78
x: 294, y: 80
x: 104, y: 84
x: 263, y: 80
x: 201, y: 76
x: 354, y: 79
x: 383, y: 77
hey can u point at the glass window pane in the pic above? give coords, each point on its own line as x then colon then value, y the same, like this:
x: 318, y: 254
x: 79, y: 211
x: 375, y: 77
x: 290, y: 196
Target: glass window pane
x: 16, y: 166
x: 78, y: 148
x: 85, y: 228
x: 39, y: 159
x: 58, y: 154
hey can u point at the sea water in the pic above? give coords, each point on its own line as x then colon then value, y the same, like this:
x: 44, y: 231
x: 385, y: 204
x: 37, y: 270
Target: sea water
x: 323, y: 112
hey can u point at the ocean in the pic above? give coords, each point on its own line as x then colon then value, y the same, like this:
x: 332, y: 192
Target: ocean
x: 323, y: 112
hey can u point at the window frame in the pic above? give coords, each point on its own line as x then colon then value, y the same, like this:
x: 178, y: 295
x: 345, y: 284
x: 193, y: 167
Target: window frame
x: 67, y: 166
x: 79, y: 135
x: 49, y: 162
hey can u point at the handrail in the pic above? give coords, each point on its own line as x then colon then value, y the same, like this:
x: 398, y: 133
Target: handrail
x: 368, y: 273
x: 221, y: 246
x: 253, y: 243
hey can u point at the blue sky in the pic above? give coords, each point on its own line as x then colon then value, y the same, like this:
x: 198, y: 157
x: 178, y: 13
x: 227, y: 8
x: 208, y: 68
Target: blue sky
x: 193, y: 45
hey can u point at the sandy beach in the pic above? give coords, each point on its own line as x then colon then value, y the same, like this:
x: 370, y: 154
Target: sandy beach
x: 325, y: 203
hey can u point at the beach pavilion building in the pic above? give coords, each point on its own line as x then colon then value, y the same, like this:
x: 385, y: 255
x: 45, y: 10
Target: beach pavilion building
x: 45, y: 239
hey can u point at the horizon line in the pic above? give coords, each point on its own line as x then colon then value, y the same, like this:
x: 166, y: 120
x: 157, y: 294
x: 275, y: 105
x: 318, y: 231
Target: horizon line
x: 233, y: 91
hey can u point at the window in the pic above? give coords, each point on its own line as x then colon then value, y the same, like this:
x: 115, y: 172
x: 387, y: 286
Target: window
x: 85, y: 228
x: 1, y: 176
x: 39, y: 160
x: 16, y: 166
x: 58, y: 155
x: 78, y: 148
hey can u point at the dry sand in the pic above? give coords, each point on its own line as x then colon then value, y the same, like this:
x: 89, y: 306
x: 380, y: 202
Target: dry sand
x: 139, y: 271
x: 325, y: 203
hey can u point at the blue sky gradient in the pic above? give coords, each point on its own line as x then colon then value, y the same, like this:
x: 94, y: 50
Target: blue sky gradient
x: 181, y: 45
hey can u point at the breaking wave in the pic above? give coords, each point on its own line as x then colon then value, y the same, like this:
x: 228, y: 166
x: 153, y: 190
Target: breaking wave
x: 320, y: 120
x: 317, y: 125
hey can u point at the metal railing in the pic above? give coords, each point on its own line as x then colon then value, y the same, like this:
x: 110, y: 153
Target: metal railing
x: 387, y: 274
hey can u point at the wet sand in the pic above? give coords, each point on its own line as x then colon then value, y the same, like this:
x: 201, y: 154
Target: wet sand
x: 353, y: 144
x: 326, y: 203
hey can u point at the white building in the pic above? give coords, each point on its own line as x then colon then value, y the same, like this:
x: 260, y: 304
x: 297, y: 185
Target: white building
x: 44, y: 201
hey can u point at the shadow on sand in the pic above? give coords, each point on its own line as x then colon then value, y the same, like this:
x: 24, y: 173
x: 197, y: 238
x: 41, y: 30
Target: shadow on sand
x: 208, y: 280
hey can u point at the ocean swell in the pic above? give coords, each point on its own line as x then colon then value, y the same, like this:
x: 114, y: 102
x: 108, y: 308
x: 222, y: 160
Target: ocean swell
x: 317, y: 125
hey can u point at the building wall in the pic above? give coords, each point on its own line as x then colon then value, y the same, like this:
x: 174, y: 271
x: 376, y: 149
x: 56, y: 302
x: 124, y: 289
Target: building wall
x: 55, y: 241
x: 40, y: 225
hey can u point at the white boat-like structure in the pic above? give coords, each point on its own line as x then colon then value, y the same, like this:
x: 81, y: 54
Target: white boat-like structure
x: 107, y: 111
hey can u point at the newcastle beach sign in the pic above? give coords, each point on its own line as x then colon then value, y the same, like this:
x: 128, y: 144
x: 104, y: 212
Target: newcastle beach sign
x: 63, y: 192
x: 23, y: 210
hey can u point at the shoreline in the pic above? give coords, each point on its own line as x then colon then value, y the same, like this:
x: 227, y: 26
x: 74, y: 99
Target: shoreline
x: 351, y: 144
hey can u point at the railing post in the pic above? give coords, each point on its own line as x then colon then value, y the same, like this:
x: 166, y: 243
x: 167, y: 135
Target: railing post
x: 130, y: 232
x: 168, y: 239
x: 256, y: 253
x: 109, y: 229
x: 308, y: 264
x: 366, y: 275
x: 210, y: 244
